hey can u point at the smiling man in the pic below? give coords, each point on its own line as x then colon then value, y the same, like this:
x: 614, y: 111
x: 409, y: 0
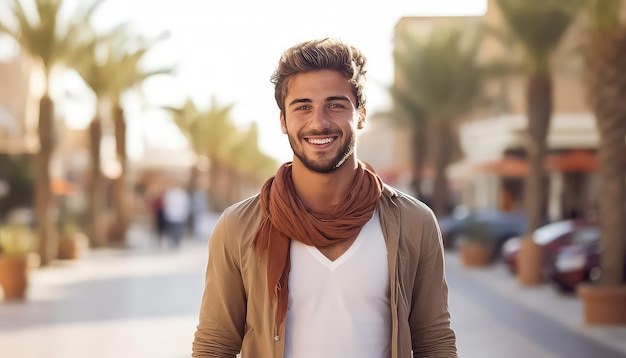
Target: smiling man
x: 327, y: 260
x: 321, y: 111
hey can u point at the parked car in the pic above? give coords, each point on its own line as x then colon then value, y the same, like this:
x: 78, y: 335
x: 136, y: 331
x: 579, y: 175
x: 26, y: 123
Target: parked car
x: 577, y: 263
x: 550, y: 238
x: 500, y: 225
x: 450, y: 225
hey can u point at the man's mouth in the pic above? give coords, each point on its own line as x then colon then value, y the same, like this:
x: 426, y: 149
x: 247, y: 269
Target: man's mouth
x: 320, y: 141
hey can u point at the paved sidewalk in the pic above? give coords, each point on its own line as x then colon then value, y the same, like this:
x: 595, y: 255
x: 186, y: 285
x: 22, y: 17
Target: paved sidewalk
x: 143, y: 302
x: 495, y: 317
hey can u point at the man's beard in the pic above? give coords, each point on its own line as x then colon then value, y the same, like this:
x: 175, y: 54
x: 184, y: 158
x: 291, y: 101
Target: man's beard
x: 325, y: 166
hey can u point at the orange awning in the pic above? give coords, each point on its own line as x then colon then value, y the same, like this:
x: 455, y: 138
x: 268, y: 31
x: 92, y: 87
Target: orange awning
x: 573, y: 161
x: 62, y: 187
x: 506, y: 167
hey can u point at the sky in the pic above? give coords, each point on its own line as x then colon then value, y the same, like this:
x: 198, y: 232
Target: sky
x: 229, y: 49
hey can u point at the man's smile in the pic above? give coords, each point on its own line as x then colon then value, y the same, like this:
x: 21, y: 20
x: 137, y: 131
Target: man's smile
x: 321, y: 141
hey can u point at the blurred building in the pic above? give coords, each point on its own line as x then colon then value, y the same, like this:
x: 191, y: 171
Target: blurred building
x: 493, y: 144
x: 18, y: 101
x: 385, y: 148
x: 492, y: 166
x: 18, y: 123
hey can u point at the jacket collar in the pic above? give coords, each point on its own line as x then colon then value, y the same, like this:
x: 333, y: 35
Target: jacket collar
x: 389, y: 191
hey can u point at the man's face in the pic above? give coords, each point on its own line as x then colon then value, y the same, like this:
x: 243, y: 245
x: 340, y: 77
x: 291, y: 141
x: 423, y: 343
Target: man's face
x: 321, y: 119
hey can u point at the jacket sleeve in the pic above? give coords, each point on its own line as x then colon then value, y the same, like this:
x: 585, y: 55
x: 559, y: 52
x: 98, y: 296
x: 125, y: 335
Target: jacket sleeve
x: 223, y: 309
x: 431, y: 333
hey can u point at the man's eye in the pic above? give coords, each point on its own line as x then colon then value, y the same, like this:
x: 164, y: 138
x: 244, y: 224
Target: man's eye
x: 336, y: 105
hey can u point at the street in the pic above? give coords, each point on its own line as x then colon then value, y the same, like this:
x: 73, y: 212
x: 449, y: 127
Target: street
x: 143, y: 301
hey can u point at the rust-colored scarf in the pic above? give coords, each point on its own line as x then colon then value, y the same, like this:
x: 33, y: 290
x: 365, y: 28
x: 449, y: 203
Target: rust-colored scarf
x: 285, y: 218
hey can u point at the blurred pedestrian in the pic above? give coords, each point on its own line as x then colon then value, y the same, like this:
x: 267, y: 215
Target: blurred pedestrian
x: 327, y: 261
x: 156, y: 204
x: 176, y: 208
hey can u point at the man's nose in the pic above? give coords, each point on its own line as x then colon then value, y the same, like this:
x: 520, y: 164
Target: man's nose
x: 319, y: 120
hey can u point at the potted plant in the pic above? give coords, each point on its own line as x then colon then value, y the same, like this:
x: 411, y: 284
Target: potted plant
x: 16, y: 259
x: 72, y: 242
x: 475, y: 244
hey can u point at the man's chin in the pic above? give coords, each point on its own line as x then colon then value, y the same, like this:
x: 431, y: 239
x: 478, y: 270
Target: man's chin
x: 322, y: 167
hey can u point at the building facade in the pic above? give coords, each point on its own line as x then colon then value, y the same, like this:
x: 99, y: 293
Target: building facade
x: 18, y: 103
x: 492, y: 166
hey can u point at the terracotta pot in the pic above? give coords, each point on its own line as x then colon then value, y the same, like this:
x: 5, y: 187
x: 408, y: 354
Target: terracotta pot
x: 14, y: 277
x: 475, y: 255
x: 529, y: 263
x: 603, y: 305
x: 72, y: 248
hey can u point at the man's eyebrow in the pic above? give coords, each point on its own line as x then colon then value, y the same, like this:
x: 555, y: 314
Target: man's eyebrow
x: 338, y: 98
x: 299, y: 100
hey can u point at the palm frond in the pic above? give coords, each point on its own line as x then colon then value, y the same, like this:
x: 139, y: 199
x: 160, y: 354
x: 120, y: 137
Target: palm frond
x: 539, y: 26
x: 210, y: 132
x: 407, y: 109
x: 440, y: 73
x: 111, y: 63
x: 44, y: 37
x: 605, y: 14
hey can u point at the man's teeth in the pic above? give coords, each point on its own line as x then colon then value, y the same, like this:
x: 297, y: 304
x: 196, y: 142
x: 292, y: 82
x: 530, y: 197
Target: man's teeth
x: 320, y: 141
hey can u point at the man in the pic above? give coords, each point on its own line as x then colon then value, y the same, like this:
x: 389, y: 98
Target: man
x: 326, y: 261
x: 175, y: 212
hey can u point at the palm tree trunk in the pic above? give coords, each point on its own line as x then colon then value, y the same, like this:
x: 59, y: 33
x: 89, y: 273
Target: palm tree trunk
x: 606, y: 80
x: 443, y: 153
x: 539, y: 107
x: 43, y: 194
x: 215, y: 196
x: 418, y: 147
x: 119, y: 183
x: 97, y: 230
x: 235, y: 183
x: 612, y: 196
x: 192, y: 186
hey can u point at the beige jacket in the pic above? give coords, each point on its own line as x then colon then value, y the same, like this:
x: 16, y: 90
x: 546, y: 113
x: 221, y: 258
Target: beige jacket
x: 236, y: 313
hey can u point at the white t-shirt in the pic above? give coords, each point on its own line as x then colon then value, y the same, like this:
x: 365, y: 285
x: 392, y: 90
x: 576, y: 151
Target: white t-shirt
x: 340, y: 308
x: 176, y: 205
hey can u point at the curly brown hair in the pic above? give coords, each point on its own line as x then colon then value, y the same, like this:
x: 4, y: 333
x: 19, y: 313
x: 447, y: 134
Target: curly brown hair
x: 322, y: 54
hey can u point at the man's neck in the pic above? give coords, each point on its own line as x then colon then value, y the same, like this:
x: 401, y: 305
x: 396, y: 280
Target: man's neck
x: 320, y: 191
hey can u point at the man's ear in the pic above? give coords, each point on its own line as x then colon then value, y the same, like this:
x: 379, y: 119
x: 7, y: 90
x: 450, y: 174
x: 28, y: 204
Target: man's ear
x: 283, y: 124
x: 361, y: 123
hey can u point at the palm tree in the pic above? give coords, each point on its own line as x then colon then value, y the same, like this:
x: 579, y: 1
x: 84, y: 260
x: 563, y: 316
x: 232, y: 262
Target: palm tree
x: 249, y: 166
x: 128, y: 74
x: 187, y: 119
x: 209, y: 132
x: 606, y: 82
x: 49, y: 42
x: 109, y: 68
x: 538, y: 25
x: 439, y: 80
x: 96, y: 77
x: 95, y: 187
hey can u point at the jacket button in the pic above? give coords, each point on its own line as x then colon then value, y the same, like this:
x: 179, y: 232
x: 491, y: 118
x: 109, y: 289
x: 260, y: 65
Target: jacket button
x: 277, y: 338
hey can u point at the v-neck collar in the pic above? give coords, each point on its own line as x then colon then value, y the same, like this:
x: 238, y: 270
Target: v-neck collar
x: 333, y: 265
